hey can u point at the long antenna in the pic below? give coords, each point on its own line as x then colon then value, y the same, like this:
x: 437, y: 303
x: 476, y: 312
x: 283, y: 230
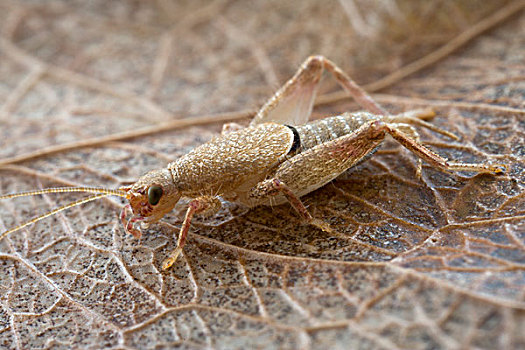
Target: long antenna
x: 106, y: 191
x: 100, y: 193
x: 52, y: 212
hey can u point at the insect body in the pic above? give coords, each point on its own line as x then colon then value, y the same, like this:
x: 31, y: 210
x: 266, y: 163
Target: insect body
x: 278, y: 158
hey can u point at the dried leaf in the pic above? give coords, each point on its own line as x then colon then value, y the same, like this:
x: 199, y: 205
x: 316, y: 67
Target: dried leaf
x: 435, y: 262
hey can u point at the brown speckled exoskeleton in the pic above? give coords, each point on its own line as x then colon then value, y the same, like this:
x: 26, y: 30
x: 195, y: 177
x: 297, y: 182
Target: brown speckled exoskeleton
x: 279, y: 157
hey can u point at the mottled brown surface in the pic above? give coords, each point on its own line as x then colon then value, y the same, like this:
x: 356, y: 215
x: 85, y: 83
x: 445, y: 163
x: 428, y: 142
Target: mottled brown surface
x: 236, y: 160
x: 431, y: 263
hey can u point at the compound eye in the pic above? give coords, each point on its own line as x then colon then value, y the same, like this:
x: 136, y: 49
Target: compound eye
x: 154, y: 194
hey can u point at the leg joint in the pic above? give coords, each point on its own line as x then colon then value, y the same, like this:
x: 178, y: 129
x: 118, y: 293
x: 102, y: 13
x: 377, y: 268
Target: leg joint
x: 266, y: 188
x: 378, y: 128
x: 205, y: 205
x: 315, y: 60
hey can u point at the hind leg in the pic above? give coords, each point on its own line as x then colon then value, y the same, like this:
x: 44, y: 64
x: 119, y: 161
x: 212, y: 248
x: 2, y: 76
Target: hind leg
x: 316, y: 166
x: 293, y: 102
x: 434, y: 159
x: 412, y: 133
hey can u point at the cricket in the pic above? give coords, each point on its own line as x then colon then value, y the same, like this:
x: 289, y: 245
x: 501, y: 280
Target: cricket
x: 278, y: 158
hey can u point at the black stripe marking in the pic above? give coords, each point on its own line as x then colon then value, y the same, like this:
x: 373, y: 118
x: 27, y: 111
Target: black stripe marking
x: 296, y: 140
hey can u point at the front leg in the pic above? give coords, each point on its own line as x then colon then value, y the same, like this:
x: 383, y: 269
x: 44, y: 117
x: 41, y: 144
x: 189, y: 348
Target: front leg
x: 199, y: 205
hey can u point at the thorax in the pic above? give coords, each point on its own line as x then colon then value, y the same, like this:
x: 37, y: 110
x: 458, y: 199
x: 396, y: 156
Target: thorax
x: 232, y: 160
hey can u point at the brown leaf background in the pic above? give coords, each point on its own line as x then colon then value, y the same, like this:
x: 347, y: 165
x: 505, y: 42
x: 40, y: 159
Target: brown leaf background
x: 436, y: 262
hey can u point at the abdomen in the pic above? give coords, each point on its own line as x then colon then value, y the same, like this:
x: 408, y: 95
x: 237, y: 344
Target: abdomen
x: 327, y: 129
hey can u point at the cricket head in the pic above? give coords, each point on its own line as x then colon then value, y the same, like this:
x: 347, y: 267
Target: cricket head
x: 150, y: 198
